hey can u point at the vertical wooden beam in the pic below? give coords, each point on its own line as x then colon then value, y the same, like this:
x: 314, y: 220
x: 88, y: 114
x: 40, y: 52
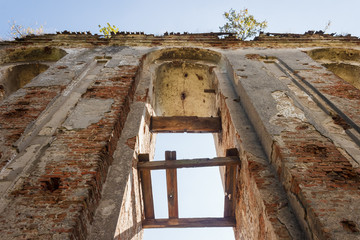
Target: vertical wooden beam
x: 230, y: 187
x: 146, y: 187
x: 171, y: 183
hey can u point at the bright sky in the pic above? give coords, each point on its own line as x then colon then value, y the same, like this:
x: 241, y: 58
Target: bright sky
x: 159, y: 16
x: 200, y: 190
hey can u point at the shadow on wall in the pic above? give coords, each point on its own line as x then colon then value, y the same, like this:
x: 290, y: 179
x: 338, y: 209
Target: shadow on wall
x: 129, y: 233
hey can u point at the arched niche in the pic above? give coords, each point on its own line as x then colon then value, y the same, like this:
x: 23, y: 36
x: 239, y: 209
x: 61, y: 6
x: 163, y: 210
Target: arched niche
x: 184, y: 88
x: 18, y: 76
x: 19, y: 65
x: 344, y: 62
x: 184, y: 83
x: 30, y: 54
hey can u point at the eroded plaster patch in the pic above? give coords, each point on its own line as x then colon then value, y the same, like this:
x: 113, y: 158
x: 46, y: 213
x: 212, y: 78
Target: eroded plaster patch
x: 87, y: 112
x: 286, y: 107
x: 286, y: 110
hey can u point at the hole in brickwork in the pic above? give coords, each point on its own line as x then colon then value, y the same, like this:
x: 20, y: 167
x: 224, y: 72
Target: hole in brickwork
x: 13, y: 137
x: 316, y: 150
x: 335, y: 176
x: 183, y: 96
x: 302, y: 127
x: 53, y: 184
x: 23, y: 103
x: 350, y: 226
x: 19, y: 112
x: 343, y: 174
x: 62, y: 67
x: 341, y: 122
x: 2, y: 92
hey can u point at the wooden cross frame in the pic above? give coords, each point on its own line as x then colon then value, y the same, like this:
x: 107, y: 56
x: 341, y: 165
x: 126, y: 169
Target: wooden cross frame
x: 231, y: 162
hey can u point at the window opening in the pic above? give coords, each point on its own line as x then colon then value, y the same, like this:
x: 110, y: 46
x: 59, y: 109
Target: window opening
x: 200, y: 190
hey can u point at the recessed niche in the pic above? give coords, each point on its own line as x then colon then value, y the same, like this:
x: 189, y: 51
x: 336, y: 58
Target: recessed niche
x: 181, y: 90
x: 334, y: 54
x: 342, y: 62
x: 348, y: 72
x: 30, y: 54
x: 18, y: 76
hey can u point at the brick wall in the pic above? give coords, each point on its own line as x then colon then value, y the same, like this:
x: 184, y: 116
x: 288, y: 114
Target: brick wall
x: 294, y: 171
x: 58, y: 199
x: 17, y: 113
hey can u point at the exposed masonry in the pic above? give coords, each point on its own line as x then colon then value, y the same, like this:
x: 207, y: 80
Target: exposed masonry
x: 69, y: 138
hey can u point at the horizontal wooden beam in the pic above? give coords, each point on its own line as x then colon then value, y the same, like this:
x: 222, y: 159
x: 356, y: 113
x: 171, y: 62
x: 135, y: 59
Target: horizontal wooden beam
x: 185, y: 124
x: 189, y: 163
x: 189, y: 222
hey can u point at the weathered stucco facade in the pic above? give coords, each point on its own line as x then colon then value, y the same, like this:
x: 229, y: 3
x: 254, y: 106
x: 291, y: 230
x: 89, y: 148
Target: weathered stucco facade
x: 75, y: 113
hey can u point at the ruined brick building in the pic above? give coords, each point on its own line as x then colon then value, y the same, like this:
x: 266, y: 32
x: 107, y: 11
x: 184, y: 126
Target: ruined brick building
x: 79, y: 116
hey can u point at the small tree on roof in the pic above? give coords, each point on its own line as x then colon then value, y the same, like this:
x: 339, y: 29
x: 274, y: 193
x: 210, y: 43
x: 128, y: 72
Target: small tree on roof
x: 20, y: 31
x: 242, y: 24
x: 108, y: 30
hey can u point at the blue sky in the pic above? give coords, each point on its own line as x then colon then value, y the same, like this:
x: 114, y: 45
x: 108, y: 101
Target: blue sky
x: 159, y: 16
x: 200, y: 190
